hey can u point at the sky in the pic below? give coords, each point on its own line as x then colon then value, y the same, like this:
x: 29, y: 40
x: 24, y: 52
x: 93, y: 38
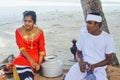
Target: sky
x: 7, y: 3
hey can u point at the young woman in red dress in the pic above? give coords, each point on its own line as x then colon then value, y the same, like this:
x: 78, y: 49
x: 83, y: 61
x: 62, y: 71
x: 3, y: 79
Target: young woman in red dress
x: 31, y: 44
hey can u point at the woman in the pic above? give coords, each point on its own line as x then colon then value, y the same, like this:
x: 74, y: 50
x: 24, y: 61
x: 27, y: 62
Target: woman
x: 30, y: 41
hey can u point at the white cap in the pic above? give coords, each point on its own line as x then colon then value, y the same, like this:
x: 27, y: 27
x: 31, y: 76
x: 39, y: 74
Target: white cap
x: 92, y: 17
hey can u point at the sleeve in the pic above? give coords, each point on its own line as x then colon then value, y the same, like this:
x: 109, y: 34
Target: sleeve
x: 79, y: 43
x: 42, y: 44
x: 83, y: 30
x: 110, y: 46
x: 19, y: 40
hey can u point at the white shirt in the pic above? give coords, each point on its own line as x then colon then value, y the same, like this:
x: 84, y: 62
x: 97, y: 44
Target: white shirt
x: 94, y: 48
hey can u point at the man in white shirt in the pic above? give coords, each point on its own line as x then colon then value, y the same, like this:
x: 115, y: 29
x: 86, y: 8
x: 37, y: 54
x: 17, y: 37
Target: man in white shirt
x: 95, y: 49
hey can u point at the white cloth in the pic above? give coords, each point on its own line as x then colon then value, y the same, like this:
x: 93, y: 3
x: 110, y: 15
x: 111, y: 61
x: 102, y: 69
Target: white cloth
x: 83, y: 30
x: 91, y: 17
x: 93, y: 49
x: 75, y: 73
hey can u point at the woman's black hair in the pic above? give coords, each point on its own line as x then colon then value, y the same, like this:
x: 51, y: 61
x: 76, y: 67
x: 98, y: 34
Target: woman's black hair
x: 30, y: 13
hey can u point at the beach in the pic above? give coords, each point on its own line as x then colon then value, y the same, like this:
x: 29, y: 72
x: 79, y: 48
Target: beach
x: 60, y: 24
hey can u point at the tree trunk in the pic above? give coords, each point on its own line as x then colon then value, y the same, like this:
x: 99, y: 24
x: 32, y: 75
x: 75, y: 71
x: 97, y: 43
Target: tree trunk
x: 95, y: 6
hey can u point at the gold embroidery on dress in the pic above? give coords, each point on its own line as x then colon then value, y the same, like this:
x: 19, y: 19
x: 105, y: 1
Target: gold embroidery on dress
x: 29, y: 37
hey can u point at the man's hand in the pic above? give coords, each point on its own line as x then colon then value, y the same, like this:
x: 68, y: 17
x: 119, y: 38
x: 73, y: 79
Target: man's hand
x: 83, y: 66
x: 91, y: 67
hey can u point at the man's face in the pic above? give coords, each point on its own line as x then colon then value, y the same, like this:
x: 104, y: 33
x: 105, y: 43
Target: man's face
x: 92, y: 27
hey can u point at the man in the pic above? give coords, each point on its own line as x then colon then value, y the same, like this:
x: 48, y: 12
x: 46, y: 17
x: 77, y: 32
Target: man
x: 95, y: 49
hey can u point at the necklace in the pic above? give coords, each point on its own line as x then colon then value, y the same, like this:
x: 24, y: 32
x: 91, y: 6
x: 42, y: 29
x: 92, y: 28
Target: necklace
x: 29, y: 36
x: 29, y: 39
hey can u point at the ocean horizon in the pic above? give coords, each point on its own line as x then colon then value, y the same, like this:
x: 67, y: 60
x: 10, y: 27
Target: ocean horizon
x: 13, y: 13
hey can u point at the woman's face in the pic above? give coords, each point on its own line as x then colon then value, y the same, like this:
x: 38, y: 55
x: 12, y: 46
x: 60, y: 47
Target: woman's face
x: 28, y: 23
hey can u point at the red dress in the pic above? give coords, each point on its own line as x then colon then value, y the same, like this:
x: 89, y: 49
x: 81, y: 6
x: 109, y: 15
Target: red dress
x: 33, y: 45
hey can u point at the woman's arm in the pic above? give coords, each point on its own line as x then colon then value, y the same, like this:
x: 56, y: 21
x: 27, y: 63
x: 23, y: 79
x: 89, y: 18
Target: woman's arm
x: 42, y: 52
x: 26, y: 55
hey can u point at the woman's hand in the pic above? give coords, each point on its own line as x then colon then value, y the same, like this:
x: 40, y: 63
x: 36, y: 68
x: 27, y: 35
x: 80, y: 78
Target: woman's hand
x: 33, y: 63
x: 37, y: 68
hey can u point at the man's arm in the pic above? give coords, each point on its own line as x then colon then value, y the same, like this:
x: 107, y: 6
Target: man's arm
x: 82, y: 64
x: 79, y: 56
x: 102, y: 63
